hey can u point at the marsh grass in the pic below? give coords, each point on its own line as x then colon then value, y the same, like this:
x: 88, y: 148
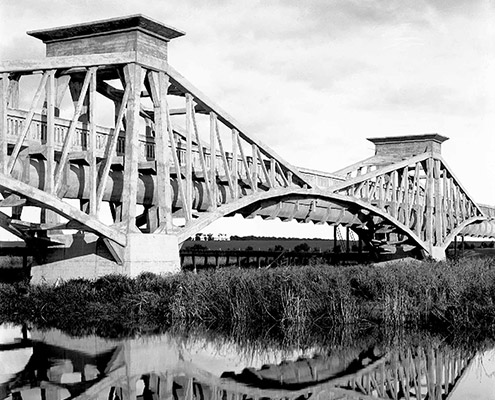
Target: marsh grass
x: 289, y: 302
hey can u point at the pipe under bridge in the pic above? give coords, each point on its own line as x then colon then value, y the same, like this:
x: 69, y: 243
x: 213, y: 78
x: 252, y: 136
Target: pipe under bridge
x: 124, y: 160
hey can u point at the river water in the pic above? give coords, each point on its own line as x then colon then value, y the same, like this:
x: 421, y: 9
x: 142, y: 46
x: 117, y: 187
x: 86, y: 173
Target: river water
x: 50, y: 365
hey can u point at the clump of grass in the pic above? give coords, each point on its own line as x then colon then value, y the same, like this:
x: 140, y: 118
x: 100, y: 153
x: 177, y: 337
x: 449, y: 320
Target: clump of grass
x: 287, y: 301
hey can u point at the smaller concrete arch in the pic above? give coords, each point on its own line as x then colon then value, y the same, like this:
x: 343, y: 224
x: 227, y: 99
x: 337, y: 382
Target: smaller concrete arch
x: 288, y: 193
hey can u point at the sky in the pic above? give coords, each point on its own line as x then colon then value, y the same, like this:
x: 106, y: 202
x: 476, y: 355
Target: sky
x: 313, y: 79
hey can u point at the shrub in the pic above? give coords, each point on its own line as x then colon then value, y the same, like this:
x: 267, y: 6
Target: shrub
x: 290, y: 301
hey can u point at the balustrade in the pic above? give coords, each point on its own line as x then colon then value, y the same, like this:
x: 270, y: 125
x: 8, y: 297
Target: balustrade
x: 37, y: 136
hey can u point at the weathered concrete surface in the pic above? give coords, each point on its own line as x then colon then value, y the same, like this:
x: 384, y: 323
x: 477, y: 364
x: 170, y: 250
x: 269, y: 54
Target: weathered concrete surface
x: 85, y: 257
x: 438, y: 253
x: 88, y: 257
x: 151, y: 253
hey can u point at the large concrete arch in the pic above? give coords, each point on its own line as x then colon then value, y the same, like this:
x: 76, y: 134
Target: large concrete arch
x: 45, y: 200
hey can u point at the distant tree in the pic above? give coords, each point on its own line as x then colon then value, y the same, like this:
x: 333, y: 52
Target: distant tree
x: 249, y: 248
x: 302, y: 248
x: 278, y: 247
x: 198, y: 247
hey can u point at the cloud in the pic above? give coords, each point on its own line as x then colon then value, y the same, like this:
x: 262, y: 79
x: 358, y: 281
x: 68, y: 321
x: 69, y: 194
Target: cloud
x: 313, y: 79
x: 438, y: 99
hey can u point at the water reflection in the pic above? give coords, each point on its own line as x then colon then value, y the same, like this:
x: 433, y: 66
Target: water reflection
x: 53, y: 366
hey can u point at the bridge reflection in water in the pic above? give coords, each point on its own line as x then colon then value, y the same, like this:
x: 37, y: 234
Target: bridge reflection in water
x: 165, y: 367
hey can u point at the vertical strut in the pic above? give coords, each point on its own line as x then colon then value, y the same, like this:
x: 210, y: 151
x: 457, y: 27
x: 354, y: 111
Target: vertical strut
x: 439, y: 211
x: 244, y: 161
x: 213, y: 159
x: 159, y: 87
x: 417, y: 202
x: 13, y: 96
x: 254, y: 167
x: 93, y: 207
x: 268, y: 180
x: 50, y: 132
x: 4, y: 85
x: 429, y: 202
x: 405, y: 197
x: 224, y: 160
x: 182, y: 193
x: 134, y: 78
x: 189, y: 182
x: 235, y: 173
x: 49, y: 216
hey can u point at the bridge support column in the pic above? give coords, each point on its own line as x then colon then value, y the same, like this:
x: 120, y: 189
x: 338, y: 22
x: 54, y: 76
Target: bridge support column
x: 86, y: 256
x: 83, y: 255
x: 155, y: 253
x: 437, y: 253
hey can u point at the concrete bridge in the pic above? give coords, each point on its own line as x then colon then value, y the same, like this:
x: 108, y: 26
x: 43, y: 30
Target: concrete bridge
x: 109, y: 127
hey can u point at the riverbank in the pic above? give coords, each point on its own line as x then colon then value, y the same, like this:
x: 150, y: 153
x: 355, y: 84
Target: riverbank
x: 447, y: 296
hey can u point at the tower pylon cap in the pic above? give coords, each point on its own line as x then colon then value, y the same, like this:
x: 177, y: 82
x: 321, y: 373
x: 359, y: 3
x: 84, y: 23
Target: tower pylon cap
x: 107, y: 26
x: 133, y: 33
x: 408, y: 145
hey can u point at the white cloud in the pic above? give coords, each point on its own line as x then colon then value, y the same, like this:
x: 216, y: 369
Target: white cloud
x: 315, y: 79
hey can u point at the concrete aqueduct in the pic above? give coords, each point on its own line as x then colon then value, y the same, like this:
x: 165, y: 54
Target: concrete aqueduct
x: 172, y: 162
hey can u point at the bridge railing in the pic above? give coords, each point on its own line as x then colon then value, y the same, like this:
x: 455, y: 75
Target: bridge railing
x: 319, y: 178
x: 37, y: 135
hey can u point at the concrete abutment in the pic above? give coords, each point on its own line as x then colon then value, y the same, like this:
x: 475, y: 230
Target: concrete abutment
x: 87, y: 256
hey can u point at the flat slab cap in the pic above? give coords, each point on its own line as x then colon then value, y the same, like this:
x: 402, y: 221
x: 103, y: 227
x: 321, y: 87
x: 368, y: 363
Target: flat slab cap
x: 107, y: 26
x: 426, y: 137
x: 408, y: 145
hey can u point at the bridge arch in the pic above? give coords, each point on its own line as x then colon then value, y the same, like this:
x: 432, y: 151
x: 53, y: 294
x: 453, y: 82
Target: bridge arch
x: 354, y: 205
x: 45, y: 200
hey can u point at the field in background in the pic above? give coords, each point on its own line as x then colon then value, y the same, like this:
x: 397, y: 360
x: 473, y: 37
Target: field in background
x: 263, y: 244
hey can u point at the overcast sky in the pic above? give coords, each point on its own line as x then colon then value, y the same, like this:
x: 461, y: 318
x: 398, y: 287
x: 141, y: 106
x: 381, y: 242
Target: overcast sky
x: 313, y: 79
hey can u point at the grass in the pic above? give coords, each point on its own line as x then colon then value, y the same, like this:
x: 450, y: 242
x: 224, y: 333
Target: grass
x: 284, y: 302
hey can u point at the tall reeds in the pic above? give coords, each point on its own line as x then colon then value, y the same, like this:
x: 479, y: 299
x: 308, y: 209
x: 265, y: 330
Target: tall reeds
x: 291, y: 301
